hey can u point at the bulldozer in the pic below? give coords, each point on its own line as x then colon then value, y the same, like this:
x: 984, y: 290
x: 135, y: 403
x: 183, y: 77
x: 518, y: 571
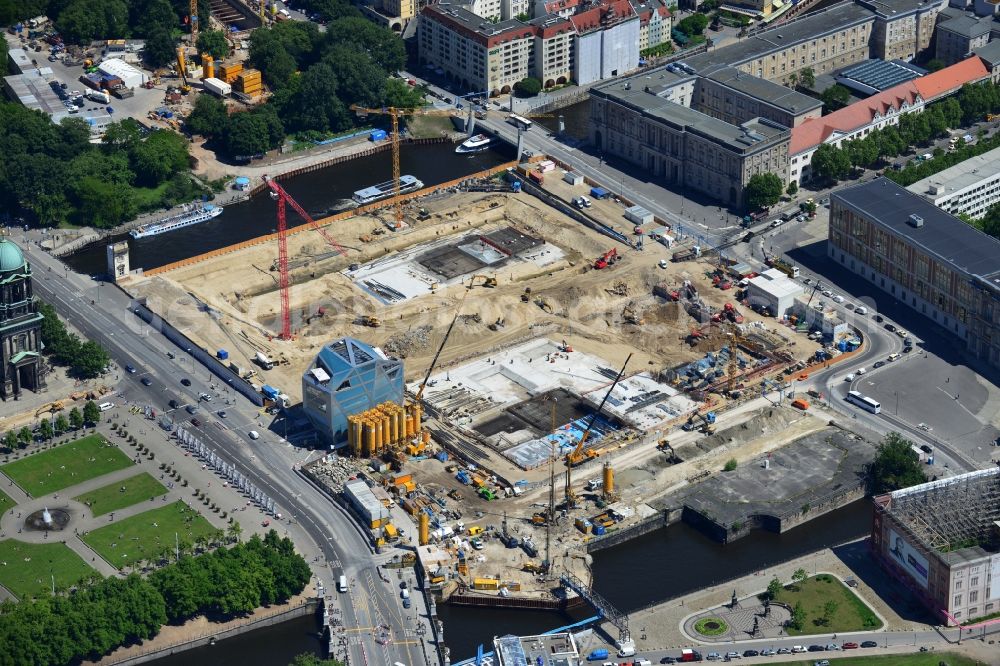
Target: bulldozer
x: 488, y: 281
x: 544, y: 304
x: 369, y: 320
x: 526, y: 296
x: 498, y: 324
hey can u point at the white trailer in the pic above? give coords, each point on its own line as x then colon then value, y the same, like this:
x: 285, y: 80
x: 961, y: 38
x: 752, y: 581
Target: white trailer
x: 218, y: 87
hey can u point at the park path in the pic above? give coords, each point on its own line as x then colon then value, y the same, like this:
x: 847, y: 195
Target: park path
x: 659, y: 627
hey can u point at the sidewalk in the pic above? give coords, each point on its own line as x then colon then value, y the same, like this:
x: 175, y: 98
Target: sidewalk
x: 660, y: 627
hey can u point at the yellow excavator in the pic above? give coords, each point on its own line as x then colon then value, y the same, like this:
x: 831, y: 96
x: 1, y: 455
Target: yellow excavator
x: 577, y: 455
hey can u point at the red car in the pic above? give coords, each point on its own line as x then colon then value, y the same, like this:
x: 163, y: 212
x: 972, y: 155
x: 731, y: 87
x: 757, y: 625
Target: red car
x: 849, y: 646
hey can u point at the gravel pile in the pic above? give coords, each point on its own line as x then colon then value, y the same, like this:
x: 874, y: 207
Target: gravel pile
x: 403, y: 344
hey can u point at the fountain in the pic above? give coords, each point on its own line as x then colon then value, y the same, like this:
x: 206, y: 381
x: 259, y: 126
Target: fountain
x: 47, y: 520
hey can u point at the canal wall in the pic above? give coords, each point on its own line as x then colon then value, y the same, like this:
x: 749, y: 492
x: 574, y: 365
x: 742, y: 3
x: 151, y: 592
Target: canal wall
x: 324, y: 222
x: 644, y: 526
x: 235, y: 628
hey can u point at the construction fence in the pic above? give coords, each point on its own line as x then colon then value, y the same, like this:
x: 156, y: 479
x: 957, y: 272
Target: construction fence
x: 269, y: 238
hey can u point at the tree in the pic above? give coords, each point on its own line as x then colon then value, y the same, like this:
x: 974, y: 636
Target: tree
x: 829, y: 610
x: 835, y: 97
x: 528, y: 87
x: 25, y: 436
x: 895, y: 466
x: 214, y: 43
x: 798, y: 616
x: 274, y: 62
x: 793, y: 79
x: 10, y: 440
x: 91, y: 360
x: 798, y: 576
x: 807, y: 77
x: 384, y: 47
x: 862, y: 152
x: 45, y: 430
x: 234, y: 531
x: 792, y: 189
x: 91, y: 413
x: 209, y: 117
x: 829, y: 163
x: 730, y: 465
x: 61, y: 425
x: 693, y: 25
x: 75, y: 418
x: 159, y: 156
x: 247, y: 135
x: 763, y: 190
x: 306, y: 659
x: 159, y: 49
x: 774, y: 588
x: 934, y: 64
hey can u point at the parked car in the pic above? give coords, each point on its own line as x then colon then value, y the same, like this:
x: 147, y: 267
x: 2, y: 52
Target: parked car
x: 861, y: 310
x: 907, y: 349
x: 784, y: 650
x: 869, y: 644
x: 816, y: 648
x: 191, y: 409
x: 822, y: 662
x: 146, y: 381
x: 849, y: 645
x: 195, y: 422
x: 130, y: 369
x: 878, y: 364
x: 890, y: 328
x: 751, y: 653
x: 879, y: 318
x: 832, y: 647
x: 185, y: 382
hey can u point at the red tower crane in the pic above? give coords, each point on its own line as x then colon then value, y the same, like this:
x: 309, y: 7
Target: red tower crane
x: 279, y: 194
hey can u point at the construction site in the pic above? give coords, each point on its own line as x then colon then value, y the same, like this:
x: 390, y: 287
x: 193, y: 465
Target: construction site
x: 557, y: 381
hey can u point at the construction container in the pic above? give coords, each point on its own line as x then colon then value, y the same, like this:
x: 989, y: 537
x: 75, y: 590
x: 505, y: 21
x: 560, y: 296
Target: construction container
x: 600, y: 530
x: 474, y: 530
x: 638, y: 215
x: 583, y: 525
x: 408, y: 487
x: 573, y: 178
x: 400, y: 479
x: 229, y: 72
x: 390, y: 531
x: 799, y: 403
x: 513, y: 586
x: 485, y: 584
x: 364, y: 501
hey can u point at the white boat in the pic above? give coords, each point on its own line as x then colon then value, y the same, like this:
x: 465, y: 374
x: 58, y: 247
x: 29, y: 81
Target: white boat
x: 197, y: 215
x: 474, y: 144
x: 384, y: 190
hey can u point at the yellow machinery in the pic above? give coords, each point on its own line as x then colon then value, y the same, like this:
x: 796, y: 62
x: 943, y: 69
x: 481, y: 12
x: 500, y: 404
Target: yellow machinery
x: 608, y: 491
x: 193, y: 16
x: 424, y: 530
x: 369, y: 320
x: 488, y: 281
x: 182, y: 70
x: 207, y: 66
x: 50, y: 408
x: 375, y: 431
x: 577, y: 456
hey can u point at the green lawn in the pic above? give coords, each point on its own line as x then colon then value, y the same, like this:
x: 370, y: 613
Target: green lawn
x: 26, y: 569
x: 922, y: 659
x: 138, y: 488
x: 813, y: 593
x: 5, y: 502
x: 66, y: 465
x: 143, y: 536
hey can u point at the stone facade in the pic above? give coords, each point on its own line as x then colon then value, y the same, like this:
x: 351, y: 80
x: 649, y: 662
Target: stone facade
x: 22, y: 366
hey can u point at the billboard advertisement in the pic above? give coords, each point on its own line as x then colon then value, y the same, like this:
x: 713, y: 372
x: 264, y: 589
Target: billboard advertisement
x: 912, y: 561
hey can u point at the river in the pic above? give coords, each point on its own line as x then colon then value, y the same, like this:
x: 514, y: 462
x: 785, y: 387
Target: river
x: 316, y: 192
x: 662, y: 565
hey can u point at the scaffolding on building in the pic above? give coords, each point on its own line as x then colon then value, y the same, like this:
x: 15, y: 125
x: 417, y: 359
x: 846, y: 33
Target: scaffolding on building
x: 958, y: 512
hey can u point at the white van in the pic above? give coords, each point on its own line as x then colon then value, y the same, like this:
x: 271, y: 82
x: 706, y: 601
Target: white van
x: 284, y: 12
x: 342, y: 584
x: 105, y: 406
x: 254, y: 434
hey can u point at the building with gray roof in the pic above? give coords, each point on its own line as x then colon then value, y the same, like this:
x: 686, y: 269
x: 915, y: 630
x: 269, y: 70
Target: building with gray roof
x: 874, y: 76
x: 682, y: 145
x: 959, y: 36
x: 923, y: 257
x: 971, y: 187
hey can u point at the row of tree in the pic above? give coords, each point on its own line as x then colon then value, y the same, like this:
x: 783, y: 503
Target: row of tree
x: 86, y: 359
x: 49, y: 428
x: 102, y: 614
x: 55, y: 175
x: 316, y: 77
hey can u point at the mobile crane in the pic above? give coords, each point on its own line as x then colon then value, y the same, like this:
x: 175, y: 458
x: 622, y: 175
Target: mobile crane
x: 576, y: 456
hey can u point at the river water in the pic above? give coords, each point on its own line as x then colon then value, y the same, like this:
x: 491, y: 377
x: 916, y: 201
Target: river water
x: 316, y: 192
x: 661, y: 565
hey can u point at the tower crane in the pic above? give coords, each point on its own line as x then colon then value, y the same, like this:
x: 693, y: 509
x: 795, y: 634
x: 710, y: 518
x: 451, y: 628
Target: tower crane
x: 194, y: 23
x: 279, y: 194
x: 395, y: 113
x: 576, y: 456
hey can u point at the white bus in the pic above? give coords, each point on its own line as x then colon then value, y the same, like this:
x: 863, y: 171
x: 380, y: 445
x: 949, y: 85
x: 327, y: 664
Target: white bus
x: 519, y: 121
x: 864, y: 402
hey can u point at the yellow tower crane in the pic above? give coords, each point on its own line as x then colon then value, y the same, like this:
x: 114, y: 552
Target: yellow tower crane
x: 395, y: 113
x: 194, y: 22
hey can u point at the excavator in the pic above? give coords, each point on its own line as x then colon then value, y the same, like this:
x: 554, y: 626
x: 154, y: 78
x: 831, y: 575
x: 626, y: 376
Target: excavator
x: 488, y: 281
x: 50, y: 408
x: 577, y: 455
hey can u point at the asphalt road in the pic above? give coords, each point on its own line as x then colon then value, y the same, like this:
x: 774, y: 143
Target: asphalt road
x: 317, y: 525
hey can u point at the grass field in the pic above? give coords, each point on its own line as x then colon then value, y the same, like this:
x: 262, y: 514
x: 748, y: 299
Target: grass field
x: 813, y: 593
x: 26, y: 569
x: 144, y: 535
x: 5, y: 502
x: 923, y: 659
x: 66, y: 465
x: 138, y: 488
